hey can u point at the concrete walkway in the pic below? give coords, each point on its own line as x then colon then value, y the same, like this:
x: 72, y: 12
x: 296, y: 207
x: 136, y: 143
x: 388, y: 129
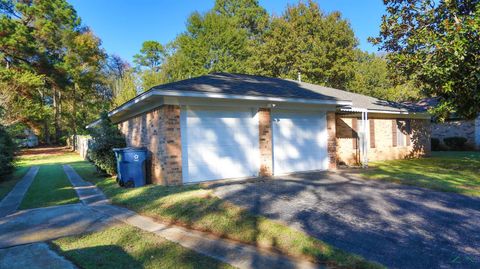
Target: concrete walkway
x: 32, y: 256
x: 42, y: 224
x: 234, y: 253
x: 12, y: 201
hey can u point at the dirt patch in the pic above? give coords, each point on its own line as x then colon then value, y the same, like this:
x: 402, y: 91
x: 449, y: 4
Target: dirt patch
x: 44, y: 150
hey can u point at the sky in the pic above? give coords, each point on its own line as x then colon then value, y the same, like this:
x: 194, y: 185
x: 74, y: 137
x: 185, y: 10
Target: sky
x: 123, y: 25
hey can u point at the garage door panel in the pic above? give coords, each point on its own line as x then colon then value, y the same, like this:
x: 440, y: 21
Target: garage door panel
x: 300, y: 142
x: 219, y: 144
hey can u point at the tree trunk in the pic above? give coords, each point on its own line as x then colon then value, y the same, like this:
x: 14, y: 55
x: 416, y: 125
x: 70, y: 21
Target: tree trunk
x: 56, y: 117
x: 74, y: 114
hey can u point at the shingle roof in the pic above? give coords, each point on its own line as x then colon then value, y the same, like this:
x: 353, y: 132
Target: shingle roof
x: 240, y: 84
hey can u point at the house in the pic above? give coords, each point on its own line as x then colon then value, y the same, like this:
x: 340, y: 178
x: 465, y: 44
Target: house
x: 221, y: 126
x: 454, y: 126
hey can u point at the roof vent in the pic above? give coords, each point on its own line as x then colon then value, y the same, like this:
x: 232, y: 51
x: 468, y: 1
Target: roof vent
x: 299, y: 77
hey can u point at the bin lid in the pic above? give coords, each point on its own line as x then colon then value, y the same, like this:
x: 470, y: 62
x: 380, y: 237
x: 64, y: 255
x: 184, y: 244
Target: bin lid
x: 130, y: 149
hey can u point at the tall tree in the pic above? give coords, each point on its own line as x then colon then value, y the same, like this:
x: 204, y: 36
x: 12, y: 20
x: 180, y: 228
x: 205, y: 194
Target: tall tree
x: 219, y: 40
x: 436, y: 44
x: 304, y: 39
x: 46, y: 41
x: 121, y: 80
x: 149, y: 61
x: 372, y: 77
x: 151, y: 55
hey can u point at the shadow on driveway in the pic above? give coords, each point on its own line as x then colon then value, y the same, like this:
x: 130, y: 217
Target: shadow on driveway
x: 396, y: 225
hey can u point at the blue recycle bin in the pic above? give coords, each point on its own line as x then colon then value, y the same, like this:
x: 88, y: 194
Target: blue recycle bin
x: 131, y: 166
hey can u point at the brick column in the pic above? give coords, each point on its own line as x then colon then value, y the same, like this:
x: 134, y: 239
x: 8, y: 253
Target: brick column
x: 265, y: 142
x: 332, y: 140
x: 172, y: 159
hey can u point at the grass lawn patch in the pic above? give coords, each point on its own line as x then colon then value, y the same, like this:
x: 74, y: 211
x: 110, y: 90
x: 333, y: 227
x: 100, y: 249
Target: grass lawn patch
x: 8, y: 182
x: 197, y: 208
x: 123, y: 246
x: 444, y: 171
x: 51, y: 185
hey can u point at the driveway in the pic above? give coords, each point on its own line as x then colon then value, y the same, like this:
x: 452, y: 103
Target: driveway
x: 398, y: 226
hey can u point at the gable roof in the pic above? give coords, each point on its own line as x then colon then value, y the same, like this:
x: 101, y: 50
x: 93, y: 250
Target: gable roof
x: 241, y: 84
x: 251, y: 87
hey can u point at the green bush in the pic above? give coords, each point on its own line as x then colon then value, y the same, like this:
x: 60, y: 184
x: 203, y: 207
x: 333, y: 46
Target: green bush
x: 455, y: 142
x: 435, y: 142
x: 7, y: 151
x: 105, y: 137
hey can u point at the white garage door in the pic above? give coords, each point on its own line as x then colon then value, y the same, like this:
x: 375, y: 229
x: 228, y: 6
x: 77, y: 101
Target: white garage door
x: 219, y: 144
x: 299, y: 142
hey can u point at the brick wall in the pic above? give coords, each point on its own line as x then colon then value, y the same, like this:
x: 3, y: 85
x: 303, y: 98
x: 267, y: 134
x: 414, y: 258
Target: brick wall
x: 462, y: 128
x: 383, y: 147
x: 159, y: 131
x: 265, y: 142
x: 332, y: 141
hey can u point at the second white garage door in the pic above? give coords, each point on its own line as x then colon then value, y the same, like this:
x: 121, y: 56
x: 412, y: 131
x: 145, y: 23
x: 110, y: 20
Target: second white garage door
x: 219, y: 144
x: 299, y: 142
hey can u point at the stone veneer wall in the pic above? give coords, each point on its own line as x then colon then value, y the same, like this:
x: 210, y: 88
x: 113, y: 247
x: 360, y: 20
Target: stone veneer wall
x: 462, y: 128
x: 159, y: 131
x: 348, y: 153
x: 265, y: 142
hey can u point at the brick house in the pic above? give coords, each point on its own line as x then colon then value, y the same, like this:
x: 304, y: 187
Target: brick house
x: 221, y: 126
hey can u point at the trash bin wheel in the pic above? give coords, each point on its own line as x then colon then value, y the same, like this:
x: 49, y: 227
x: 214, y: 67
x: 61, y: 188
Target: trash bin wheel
x: 129, y: 184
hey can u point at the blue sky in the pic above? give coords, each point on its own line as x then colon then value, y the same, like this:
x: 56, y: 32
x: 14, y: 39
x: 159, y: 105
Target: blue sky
x: 123, y: 25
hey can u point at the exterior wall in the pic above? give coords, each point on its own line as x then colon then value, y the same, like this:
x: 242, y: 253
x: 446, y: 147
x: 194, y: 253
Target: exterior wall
x: 332, y: 140
x: 383, y: 147
x: 159, y: 131
x: 265, y: 142
x: 461, y: 128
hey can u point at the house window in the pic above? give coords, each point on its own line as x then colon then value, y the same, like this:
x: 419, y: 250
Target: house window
x: 401, y: 133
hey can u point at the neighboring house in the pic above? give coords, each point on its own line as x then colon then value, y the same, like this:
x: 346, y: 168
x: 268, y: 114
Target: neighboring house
x: 453, y: 126
x: 222, y: 126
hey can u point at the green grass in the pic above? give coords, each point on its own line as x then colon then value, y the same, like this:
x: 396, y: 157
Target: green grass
x: 197, y: 208
x: 123, y: 246
x: 8, y: 182
x: 51, y: 186
x: 457, y: 172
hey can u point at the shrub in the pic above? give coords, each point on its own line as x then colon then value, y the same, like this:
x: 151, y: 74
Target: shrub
x: 7, y: 151
x: 455, y: 142
x: 435, y: 142
x: 105, y: 137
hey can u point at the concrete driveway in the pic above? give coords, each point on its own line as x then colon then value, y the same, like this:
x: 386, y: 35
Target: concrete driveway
x: 398, y: 226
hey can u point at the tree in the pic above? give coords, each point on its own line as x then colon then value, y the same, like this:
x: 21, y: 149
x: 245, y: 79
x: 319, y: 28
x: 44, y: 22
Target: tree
x: 371, y: 77
x: 121, y: 79
x: 106, y: 137
x: 151, y: 55
x: 125, y: 88
x: 437, y: 45
x: 149, y: 62
x: 221, y: 40
x: 7, y: 150
x: 44, y: 41
x: 304, y: 39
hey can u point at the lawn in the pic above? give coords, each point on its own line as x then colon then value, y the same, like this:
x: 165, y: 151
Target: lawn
x: 198, y: 208
x: 123, y: 246
x: 8, y: 182
x: 51, y: 186
x: 444, y: 171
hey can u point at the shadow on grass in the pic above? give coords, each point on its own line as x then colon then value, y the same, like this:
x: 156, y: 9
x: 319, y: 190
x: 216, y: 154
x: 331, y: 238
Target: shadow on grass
x: 444, y: 171
x: 122, y: 246
x: 197, y: 208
